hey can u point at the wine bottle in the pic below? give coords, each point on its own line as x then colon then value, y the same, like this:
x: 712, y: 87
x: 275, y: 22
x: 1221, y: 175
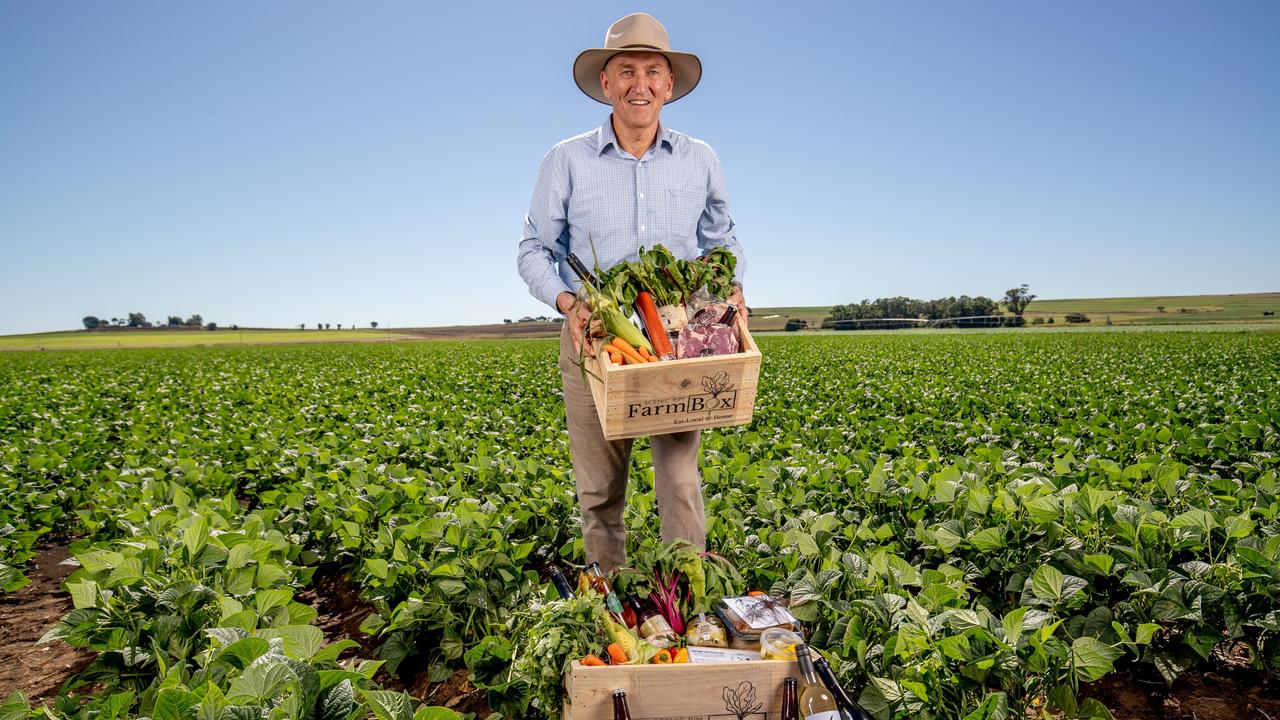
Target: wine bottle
x: 848, y: 711
x: 815, y: 702
x: 620, y: 711
x: 581, y: 270
x: 790, y: 708
x: 598, y: 580
x: 560, y: 582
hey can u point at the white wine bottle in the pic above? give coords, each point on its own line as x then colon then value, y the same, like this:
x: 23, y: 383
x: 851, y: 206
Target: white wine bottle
x: 816, y: 702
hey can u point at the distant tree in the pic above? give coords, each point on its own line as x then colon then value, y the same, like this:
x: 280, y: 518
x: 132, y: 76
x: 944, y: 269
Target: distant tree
x: 1017, y: 299
x: 504, y: 320
x: 137, y: 319
x: 326, y: 326
x: 195, y: 320
x: 1159, y: 308
x: 211, y: 326
x: 1076, y: 317
x: 339, y: 326
x: 120, y: 322
x: 175, y: 321
x: 1050, y: 319
x: 374, y: 324
x: 114, y: 320
x: 91, y: 322
x: 235, y: 327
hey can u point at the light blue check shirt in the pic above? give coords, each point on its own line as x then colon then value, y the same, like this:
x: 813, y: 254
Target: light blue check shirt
x: 588, y: 186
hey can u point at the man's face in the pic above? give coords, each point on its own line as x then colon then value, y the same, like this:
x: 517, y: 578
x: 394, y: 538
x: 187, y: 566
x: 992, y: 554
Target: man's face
x: 637, y: 83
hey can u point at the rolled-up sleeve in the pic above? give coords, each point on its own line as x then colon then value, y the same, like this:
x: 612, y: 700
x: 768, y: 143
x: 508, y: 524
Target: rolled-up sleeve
x: 715, y: 227
x: 546, y: 232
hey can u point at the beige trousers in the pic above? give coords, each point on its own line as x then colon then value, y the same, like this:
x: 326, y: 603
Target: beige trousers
x: 600, y: 468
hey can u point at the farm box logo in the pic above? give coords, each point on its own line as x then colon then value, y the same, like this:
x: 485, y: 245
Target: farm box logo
x: 719, y: 396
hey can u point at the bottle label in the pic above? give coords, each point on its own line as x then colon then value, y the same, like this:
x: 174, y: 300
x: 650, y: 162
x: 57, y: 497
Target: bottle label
x: 828, y: 715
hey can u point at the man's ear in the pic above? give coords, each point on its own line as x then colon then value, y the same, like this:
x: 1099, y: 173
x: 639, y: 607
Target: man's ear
x: 604, y: 84
x: 671, y: 87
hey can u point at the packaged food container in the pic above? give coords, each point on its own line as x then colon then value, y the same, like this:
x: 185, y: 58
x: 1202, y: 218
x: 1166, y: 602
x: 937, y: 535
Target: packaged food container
x: 779, y: 644
x: 739, y: 640
x: 753, y: 615
x: 706, y: 630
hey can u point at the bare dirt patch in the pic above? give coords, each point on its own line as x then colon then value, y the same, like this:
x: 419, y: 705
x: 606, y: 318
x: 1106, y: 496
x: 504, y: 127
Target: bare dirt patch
x: 503, y: 331
x: 38, y: 671
x: 1231, y: 691
x: 342, y: 611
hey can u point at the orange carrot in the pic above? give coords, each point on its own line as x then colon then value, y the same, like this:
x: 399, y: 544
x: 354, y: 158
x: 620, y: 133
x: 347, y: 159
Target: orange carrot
x: 644, y: 353
x: 592, y: 661
x: 617, y: 655
x: 627, y: 351
x: 616, y: 357
x: 657, y: 331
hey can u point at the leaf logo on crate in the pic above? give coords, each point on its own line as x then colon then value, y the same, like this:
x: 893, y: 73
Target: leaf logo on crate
x: 741, y: 703
x: 719, y: 396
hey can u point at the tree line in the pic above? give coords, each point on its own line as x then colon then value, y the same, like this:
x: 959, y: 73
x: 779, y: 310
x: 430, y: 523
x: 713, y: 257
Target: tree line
x: 139, y: 320
x: 1015, y: 301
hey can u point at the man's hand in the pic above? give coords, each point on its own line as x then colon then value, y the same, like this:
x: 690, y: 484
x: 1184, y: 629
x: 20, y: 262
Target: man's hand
x: 576, y: 313
x: 736, y: 299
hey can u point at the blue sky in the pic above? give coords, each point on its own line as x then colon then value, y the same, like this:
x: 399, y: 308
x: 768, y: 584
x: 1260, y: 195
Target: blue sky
x: 269, y: 164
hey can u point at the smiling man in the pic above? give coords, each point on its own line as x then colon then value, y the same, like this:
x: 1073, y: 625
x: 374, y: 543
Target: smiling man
x: 630, y: 183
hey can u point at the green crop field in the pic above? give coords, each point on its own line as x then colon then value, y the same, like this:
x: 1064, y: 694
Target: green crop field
x: 970, y: 525
x: 125, y: 338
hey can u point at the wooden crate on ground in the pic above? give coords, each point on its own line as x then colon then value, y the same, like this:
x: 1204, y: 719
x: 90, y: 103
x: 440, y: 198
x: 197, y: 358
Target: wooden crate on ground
x: 676, y: 395
x: 692, y: 691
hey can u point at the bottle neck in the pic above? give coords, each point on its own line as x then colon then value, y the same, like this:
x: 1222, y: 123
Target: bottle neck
x: 806, y: 668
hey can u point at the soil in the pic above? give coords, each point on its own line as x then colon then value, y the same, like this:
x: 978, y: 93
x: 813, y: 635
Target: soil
x: 38, y: 670
x: 1230, y: 691
x: 342, y: 611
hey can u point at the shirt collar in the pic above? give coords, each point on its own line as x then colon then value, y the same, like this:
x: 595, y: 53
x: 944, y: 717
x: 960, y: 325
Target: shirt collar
x: 666, y: 138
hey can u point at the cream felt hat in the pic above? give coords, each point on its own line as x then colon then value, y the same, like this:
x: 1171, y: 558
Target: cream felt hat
x: 638, y: 32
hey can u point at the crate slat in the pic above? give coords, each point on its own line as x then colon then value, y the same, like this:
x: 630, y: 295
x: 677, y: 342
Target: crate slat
x: 694, y: 691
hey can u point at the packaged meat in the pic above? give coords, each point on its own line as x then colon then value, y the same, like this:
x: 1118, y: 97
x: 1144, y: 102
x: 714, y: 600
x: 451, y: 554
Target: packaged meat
x: 703, y: 340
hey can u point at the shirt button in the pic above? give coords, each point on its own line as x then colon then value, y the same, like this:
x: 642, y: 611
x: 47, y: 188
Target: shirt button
x: 642, y: 227
x: 641, y: 196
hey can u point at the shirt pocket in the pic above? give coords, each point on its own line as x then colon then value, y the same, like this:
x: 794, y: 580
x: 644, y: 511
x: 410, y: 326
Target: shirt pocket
x: 684, y: 208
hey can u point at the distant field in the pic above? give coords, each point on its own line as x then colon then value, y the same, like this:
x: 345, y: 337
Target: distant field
x: 1122, y: 311
x: 82, y: 340
x: 1177, y: 308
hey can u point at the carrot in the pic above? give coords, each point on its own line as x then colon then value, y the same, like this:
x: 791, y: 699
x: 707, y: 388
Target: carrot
x: 663, y: 657
x: 617, y: 655
x: 644, y: 353
x: 592, y: 661
x: 626, y: 349
x: 616, y: 357
x: 755, y: 593
x: 652, y: 323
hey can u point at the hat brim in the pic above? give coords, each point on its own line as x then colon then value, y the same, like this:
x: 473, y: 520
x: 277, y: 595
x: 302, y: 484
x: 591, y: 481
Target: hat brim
x: 586, y: 71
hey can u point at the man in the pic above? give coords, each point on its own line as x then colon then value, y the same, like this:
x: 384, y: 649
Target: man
x: 603, y: 195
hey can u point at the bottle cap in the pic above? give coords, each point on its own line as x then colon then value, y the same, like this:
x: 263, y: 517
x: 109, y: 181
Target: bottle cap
x: 790, y: 681
x: 619, y: 692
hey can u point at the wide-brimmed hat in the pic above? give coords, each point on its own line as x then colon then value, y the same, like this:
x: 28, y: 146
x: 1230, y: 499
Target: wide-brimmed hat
x: 638, y: 32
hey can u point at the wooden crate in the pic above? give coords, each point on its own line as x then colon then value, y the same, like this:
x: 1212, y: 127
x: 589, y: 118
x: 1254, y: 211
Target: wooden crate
x: 693, y: 691
x: 676, y: 395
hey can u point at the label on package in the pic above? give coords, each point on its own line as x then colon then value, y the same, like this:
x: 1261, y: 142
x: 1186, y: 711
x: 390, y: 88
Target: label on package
x: 719, y: 655
x: 758, y: 614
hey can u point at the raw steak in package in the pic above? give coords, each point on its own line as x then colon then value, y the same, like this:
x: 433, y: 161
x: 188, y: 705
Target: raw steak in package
x: 702, y: 340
